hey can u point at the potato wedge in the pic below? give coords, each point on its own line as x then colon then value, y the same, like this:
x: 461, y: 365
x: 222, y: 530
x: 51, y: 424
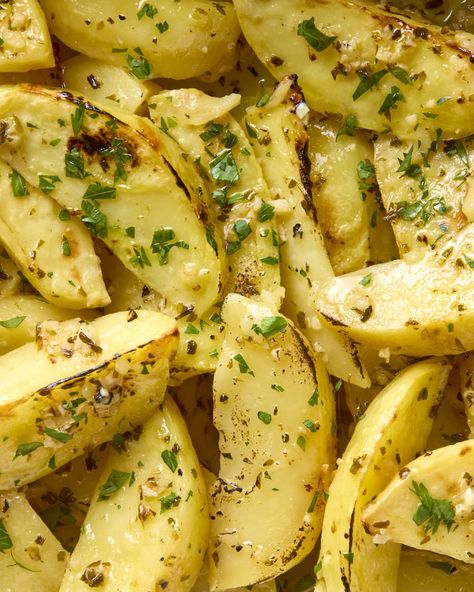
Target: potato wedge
x: 421, y: 571
x: 26, y: 44
x: 383, y: 441
x: 86, y: 383
x: 202, y: 585
x: 230, y: 181
x: 106, y: 83
x: 420, y: 305
x: 153, y: 491
x: 55, y: 255
x: 355, y: 58
x: 20, y: 314
x: 31, y: 558
x: 277, y: 443
x: 429, y: 504
x: 114, y: 176
x: 62, y: 498
x: 426, y: 194
x: 346, y: 195
x: 173, y: 41
x: 279, y: 138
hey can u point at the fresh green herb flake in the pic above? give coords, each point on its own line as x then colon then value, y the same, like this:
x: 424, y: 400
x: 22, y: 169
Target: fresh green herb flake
x: 139, y: 66
x: 312, y: 35
x: 94, y: 219
x: 401, y: 74
x: 367, y: 82
x: 270, y: 260
x: 312, y: 427
x: 301, y: 442
x: 62, y: 437
x: 65, y: 247
x: 147, y: 10
x: 313, y: 400
x: 349, y: 126
x: 224, y: 168
x: 262, y: 101
x: 390, y: 101
x: 130, y: 231
x: 140, y: 258
x: 431, y: 512
x: 191, y: 329
x: 12, y: 323
x: 168, y: 501
x: 5, y: 540
x: 114, y: 483
x: 98, y: 191
x: 162, y: 27
x: 27, y: 448
x: 170, y: 460
x: 18, y: 184
x: 242, y: 229
x: 266, y: 212
x: 74, y: 162
x: 313, y: 503
x: 366, y: 280
x: 47, y: 183
x: 77, y: 119
x: 448, y: 568
x: 264, y: 417
x: 243, y: 366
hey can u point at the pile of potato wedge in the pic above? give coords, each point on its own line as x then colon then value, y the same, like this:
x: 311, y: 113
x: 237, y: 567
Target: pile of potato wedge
x: 236, y: 296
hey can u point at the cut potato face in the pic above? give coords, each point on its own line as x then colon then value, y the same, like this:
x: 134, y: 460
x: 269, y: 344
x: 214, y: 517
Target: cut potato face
x: 383, y: 441
x: 171, y: 42
x: 10, y: 278
x: 385, y: 69
x: 31, y: 558
x: 426, y: 194
x: 20, y: 315
x: 421, y: 571
x: 420, y: 305
x: 429, y: 504
x: 209, y: 150
x: 106, y: 83
x: 279, y: 138
x: 86, y: 383
x: 55, y: 255
x: 26, y: 44
x: 273, y: 421
x: 466, y: 373
x: 114, y: 176
x: 153, y: 491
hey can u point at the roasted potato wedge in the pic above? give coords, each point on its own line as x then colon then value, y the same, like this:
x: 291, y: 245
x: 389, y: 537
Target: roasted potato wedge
x: 383, y: 441
x: 426, y: 194
x: 31, y: 558
x: 26, y: 44
x: 278, y: 136
x: 429, y: 504
x: 153, y: 491
x: 53, y: 251
x: 420, y: 305
x: 215, y: 160
x: 86, y: 383
x: 355, y: 58
x: 114, y: 176
x: 277, y: 443
x: 172, y: 41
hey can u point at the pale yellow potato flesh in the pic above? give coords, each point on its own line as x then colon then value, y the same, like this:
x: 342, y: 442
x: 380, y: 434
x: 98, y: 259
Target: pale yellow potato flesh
x: 106, y: 83
x: 29, y: 310
x: 466, y: 374
x: 119, y: 153
x: 446, y: 473
x: 279, y: 139
x: 425, y: 205
x: 161, y: 509
x: 421, y: 571
x: 31, y: 558
x: 178, y: 40
x: 420, y: 305
x: 383, y: 441
x: 436, y: 63
x: 85, y: 383
x: 26, y: 44
x: 56, y: 256
x: 277, y: 445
